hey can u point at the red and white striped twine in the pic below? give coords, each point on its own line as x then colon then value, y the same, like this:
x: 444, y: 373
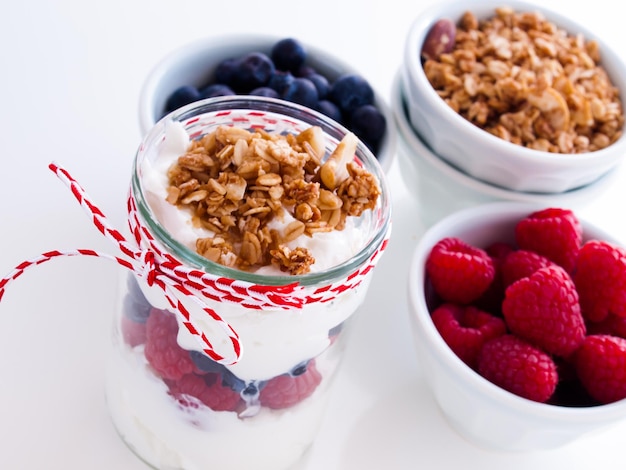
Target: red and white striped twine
x: 150, y: 261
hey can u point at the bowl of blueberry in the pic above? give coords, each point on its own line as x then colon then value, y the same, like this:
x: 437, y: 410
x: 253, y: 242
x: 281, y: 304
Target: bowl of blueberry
x: 518, y: 312
x: 275, y: 67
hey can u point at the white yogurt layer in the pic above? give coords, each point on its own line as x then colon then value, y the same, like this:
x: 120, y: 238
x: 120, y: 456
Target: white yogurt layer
x: 169, y: 436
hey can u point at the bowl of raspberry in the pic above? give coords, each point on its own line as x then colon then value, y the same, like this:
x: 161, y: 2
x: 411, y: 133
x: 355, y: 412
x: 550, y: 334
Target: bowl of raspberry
x: 515, y: 95
x: 276, y: 67
x: 518, y: 313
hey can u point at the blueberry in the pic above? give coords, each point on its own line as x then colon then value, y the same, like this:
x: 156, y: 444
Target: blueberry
x: 351, y: 91
x: 288, y: 54
x: 135, y: 306
x: 265, y: 91
x: 231, y: 380
x: 225, y: 70
x: 135, y: 310
x: 305, y: 71
x: 252, y: 71
x: 205, y: 363
x: 335, y: 330
x: 280, y: 80
x: 321, y: 83
x: 134, y: 290
x: 216, y: 89
x: 181, y: 96
x: 301, y: 91
x: 330, y: 109
x: 299, y: 369
x: 252, y: 389
x: 369, y: 124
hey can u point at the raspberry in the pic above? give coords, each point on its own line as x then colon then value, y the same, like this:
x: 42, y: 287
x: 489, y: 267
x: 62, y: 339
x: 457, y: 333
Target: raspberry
x: 207, y: 388
x: 554, y: 233
x: 515, y: 365
x: 459, y: 272
x: 600, y: 278
x: 543, y: 309
x: 601, y: 366
x: 499, y: 250
x: 611, y: 325
x: 134, y: 333
x: 521, y: 263
x: 491, y: 300
x: 466, y: 329
x: 288, y: 389
x: 162, y: 351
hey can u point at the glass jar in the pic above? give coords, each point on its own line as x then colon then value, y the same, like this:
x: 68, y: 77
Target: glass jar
x: 216, y: 367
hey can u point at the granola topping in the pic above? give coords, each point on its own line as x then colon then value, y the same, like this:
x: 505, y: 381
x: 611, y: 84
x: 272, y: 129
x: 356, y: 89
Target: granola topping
x: 525, y: 80
x: 257, y: 193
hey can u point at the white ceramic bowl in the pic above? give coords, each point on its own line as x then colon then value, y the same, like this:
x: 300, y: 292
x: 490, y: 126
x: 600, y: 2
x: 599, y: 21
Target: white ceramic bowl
x: 478, y: 410
x: 484, y: 155
x: 442, y: 189
x: 194, y: 64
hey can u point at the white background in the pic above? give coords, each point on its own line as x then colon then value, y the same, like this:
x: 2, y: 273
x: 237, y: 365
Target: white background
x: 70, y: 78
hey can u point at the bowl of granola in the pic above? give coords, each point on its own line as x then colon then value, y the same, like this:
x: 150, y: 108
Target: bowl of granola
x: 276, y: 67
x: 517, y: 96
x: 441, y: 188
x: 488, y: 288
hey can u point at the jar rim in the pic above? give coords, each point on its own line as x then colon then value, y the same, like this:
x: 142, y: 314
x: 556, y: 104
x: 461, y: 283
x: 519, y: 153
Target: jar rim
x: 277, y: 107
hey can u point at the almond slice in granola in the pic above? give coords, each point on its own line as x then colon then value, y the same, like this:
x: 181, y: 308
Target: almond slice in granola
x: 334, y: 172
x: 552, y: 105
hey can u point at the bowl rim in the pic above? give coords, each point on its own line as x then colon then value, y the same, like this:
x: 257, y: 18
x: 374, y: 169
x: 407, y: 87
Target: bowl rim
x: 415, y: 142
x: 472, y: 381
x: 254, y: 41
x: 445, y: 8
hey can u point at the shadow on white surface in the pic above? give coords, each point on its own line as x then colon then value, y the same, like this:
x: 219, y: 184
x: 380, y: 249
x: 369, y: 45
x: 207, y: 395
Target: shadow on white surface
x: 406, y: 427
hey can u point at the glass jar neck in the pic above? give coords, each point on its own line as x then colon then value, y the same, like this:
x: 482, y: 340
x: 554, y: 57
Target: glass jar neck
x: 275, y: 115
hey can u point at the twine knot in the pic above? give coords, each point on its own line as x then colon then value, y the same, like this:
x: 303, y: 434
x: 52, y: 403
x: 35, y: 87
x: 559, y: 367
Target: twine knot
x: 147, y: 267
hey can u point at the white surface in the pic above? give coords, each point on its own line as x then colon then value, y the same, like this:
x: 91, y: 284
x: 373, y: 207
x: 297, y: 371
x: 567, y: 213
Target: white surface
x: 71, y: 74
